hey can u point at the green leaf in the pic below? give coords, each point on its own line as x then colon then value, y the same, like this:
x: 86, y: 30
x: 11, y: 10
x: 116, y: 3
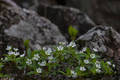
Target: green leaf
x: 4, y: 75
x: 62, y: 72
x: 68, y: 71
x: 26, y: 43
x: 72, y: 32
x: 29, y: 52
x: 31, y: 73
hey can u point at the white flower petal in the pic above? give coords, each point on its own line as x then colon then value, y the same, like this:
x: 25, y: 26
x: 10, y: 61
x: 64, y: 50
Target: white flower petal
x: 92, y: 56
x: 86, y: 61
x: 95, y: 50
x: 8, y: 48
x: 82, y: 68
x: 39, y: 70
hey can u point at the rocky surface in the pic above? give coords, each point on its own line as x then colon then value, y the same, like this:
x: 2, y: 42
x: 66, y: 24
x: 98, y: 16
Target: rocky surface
x: 101, y: 12
x: 60, y: 15
x: 103, y: 38
x: 64, y: 17
x: 18, y: 24
x: 106, y: 40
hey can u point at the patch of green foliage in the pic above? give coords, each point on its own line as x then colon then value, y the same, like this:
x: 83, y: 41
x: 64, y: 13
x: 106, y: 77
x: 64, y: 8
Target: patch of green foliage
x: 72, y: 32
x: 63, y: 59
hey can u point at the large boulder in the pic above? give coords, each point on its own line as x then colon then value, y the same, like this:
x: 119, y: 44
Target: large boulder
x: 32, y: 4
x: 103, y: 12
x: 106, y: 40
x: 61, y: 16
x: 18, y: 24
x: 65, y: 17
x: 103, y: 38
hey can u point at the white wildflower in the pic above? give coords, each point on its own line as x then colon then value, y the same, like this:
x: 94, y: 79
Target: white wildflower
x: 60, y: 48
x: 92, y: 56
x: 49, y: 61
x: 22, y: 55
x: 81, y: 52
x: 97, y: 62
x: 86, y: 61
x: 48, y: 52
x: 72, y: 44
x: 82, y: 68
x: 36, y: 57
x: 39, y: 70
x: 62, y: 43
x: 98, y: 65
x: 74, y: 74
x: 17, y: 53
x: 28, y: 61
x: 108, y: 62
x: 95, y: 50
x: 44, y: 48
x: 1, y: 58
x: 98, y: 70
x: 42, y: 63
x: 6, y: 58
x: 11, y: 53
x: 50, y: 57
x: 84, y: 49
x: 15, y: 49
x: 8, y: 48
x: 113, y: 65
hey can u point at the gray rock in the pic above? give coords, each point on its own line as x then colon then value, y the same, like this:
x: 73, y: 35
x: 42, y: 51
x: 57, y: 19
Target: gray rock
x: 107, y: 41
x: 103, y: 38
x: 18, y: 24
x: 66, y: 16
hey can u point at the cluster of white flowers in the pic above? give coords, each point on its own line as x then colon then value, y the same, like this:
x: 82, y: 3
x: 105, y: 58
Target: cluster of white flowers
x: 51, y: 58
x: 39, y: 70
x: 82, y: 68
x: 60, y: 48
x: 29, y: 61
x: 71, y: 44
x: 42, y: 63
x: 73, y: 73
x: 10, y: 52
x: 36, y: 57
x: 13, y: 53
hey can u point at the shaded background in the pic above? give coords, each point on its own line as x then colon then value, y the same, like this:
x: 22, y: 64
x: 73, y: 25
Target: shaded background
x: 104, y: 12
